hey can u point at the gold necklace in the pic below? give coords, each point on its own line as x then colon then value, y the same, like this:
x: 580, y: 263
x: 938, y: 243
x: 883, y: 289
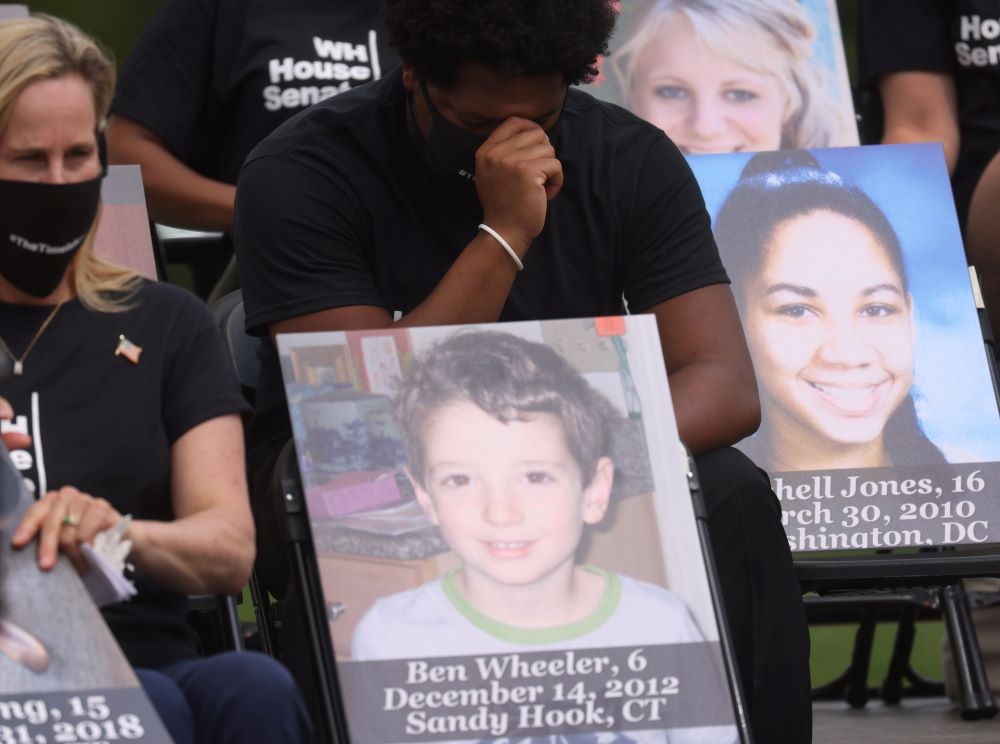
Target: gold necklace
x: 19, y: 361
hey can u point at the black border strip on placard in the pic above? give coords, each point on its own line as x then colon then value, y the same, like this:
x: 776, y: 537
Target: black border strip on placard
x: 305, y: 569
x: 725, y: 638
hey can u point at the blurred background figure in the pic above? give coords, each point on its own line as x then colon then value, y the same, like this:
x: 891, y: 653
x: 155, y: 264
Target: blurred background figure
x: 208, y: 79
x: 936, y: 69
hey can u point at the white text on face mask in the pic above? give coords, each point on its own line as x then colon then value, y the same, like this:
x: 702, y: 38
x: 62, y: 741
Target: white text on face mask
x: 44, y: 248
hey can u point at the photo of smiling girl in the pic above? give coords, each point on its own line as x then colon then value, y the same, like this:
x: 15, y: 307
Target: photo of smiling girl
x: 828, y: 315
x: 821, y: 279
x: 735, y: 75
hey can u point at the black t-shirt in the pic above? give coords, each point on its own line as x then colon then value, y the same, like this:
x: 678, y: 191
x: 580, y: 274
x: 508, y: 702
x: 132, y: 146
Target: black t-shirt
x: 214, y: 77
x: 105, y: 425
x: 957, y: 37
x: 338, y: 207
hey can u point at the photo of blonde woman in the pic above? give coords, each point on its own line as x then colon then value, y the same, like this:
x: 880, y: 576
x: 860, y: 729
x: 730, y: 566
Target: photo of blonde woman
x: 734, y: 75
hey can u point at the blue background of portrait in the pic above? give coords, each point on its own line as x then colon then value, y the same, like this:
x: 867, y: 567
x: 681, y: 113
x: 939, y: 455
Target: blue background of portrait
x: 952, y: 387
x: 829, y: 40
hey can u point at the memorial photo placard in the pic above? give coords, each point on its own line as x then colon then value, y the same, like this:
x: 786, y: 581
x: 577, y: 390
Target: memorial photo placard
x: 123, y: 235
x: 880, y: 423
x: 62, y: 676
x: 732, y: 75
x: 13, y: 10
x: 502, y: 556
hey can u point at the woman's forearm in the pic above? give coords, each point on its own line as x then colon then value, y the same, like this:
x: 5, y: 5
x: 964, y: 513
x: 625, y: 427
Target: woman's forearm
x: 177, y: 195
x: 204, y: 553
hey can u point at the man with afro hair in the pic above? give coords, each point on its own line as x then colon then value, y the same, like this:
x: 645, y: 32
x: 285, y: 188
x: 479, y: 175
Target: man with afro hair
x: 474, y: 184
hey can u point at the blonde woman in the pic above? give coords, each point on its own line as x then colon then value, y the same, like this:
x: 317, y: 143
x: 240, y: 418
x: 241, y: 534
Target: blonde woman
x: 124, y: 389
x: 730, y: 76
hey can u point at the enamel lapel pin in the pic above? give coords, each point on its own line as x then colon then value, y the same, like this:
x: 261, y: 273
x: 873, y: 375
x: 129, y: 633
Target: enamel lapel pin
x: 127, y: 349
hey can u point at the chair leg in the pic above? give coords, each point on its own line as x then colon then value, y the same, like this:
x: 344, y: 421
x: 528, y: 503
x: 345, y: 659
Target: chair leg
x: 901, y: 669
x: 265, y: 620
x: 977, y: 699
x: 231, y: 618
x: 852, y: 684
x: 856, y: 690
x: 892, y: 686
x: 306, y: 573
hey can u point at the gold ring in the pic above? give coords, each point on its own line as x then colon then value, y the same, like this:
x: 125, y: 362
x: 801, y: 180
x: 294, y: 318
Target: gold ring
x: 70, y: 521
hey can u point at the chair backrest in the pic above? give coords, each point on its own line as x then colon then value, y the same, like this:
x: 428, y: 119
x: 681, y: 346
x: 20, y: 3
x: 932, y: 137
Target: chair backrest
x: 123, y: 235
x: 231, y: 317
x: 205, y: 255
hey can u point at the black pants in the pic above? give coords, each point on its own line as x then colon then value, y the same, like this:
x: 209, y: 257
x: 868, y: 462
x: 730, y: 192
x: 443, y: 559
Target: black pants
x: 761, y: 594
x: 760, y: 591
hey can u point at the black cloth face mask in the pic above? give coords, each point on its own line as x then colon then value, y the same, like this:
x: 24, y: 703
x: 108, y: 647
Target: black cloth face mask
x: 42, y: 226
x: 451, y: 150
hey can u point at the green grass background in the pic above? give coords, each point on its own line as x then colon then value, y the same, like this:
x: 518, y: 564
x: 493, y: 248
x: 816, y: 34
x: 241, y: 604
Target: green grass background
x: 832, y: 646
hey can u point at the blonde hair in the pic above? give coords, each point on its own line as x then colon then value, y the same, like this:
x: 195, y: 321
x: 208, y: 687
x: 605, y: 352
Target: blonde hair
x: 39, y: 48
x: 781, y: 43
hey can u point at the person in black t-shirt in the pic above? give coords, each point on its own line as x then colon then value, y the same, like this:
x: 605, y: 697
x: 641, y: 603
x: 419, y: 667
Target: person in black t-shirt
x: 124, y: 400
x: 937, y: 67
x: 936, y: 64
x: 416, y: 201
x: 208, y: 79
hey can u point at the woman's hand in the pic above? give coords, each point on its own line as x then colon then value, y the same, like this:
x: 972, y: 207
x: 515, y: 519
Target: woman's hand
x: 64, y: 520
x: 12, y: 439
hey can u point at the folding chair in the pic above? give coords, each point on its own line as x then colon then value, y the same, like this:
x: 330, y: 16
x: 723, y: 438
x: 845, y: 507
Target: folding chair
x: 305, y: 594
x: 231, y: 318
x: 216, y: 623
x: 205, y: 254
x: 229, y: 314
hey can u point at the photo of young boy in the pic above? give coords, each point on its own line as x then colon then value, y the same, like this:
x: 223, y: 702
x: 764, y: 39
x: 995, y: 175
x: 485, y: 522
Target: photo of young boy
x: 508, y: 452
x: 509, y: 497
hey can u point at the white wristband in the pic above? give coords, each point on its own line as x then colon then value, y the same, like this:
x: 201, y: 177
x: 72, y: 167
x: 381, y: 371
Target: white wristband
x: 505, y: 244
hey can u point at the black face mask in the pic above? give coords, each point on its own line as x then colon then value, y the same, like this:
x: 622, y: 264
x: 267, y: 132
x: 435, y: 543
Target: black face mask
x: 451, y: 150
x: 42, y: 226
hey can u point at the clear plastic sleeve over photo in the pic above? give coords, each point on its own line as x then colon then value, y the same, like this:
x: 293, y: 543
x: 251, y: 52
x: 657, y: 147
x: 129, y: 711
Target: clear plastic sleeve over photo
x: 505, y: 534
